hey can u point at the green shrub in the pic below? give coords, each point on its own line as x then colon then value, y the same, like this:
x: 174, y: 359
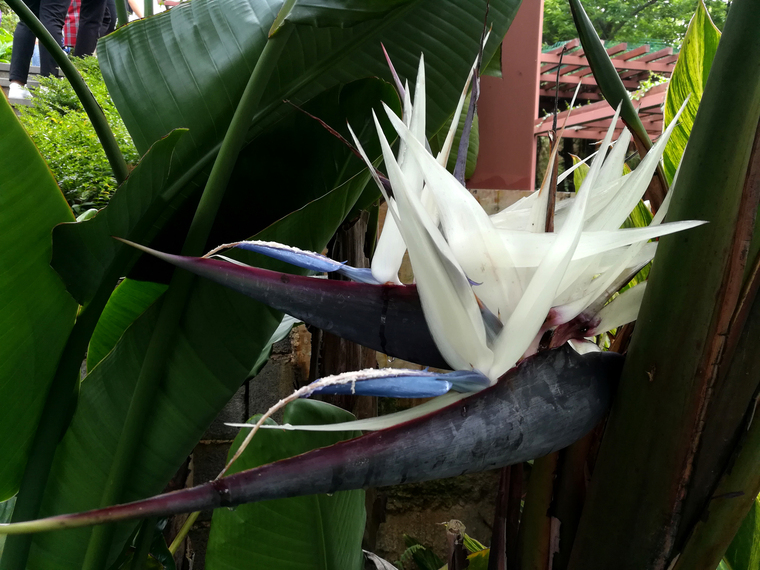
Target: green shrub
x: 62, y: 132
x: 8, y: 23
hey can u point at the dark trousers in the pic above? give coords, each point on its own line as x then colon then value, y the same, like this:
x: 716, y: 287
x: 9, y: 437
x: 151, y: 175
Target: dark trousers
x: 91, y: 15
x: 52, y: 14
x: 109, y: 20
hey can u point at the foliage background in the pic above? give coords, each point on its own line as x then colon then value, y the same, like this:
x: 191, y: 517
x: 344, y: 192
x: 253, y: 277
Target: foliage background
x: 639, y: 21
x: 66, y: 139
x: 8, y: 22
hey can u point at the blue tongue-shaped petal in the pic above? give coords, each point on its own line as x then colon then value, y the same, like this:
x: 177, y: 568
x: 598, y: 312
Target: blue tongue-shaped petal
x: 401, y: 383
x: 308, y: 260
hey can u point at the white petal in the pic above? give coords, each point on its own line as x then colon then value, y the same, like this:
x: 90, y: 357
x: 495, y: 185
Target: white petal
x: 529, y: 315
x: 637, y: 182
x: 583, y: 346
x: 473, y: 240
x: 417, y: 123
x: 621, y: 310
x: 390, y: 249
x: 528, y: 249
x: 382, y: 422
x: 448, y: 302
x: 389, y: 252
x: 613, y: 166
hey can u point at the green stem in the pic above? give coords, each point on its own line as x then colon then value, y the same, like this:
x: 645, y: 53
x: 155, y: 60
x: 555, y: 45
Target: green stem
x: 144, y: 540
x: 91, y: 107
x: 148, y: 8
x: 183, y: 532
x: 176, y: 297
x: 121, y: 13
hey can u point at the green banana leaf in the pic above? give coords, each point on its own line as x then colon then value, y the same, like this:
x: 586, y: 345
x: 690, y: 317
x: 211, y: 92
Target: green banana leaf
x: 159, y: 557
x: 196, y: 60
x: 339, y: 13
x: 316, y: 532
x: 128, y: 301
x: 188, y: 67
x: 219, y: 339
x: 36, y: 312
x: 83, y: 252
x: 688, y: 80
x: 744, y: 552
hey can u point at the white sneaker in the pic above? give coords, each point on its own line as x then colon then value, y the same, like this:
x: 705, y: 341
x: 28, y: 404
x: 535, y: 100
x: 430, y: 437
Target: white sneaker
x: 18, y: 91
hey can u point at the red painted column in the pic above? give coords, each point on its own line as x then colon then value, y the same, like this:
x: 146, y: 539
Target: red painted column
x: 508, y: 108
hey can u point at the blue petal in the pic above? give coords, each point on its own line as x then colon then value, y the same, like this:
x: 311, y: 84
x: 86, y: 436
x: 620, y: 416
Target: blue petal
x: 294, y: 256
x: 468, y: 380
x: 308, y: 260
x: 401, y: 383
x: 394, y: 387
x: 360, y: 275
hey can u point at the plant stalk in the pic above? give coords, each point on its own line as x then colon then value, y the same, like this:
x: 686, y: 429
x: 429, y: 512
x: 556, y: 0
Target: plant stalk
x: 121, y: 13
x: 497, y: 559
x: 183, y: 532
x: 176, y: 296
x: 142, y: 547
x: 91, y: 107
x: 535, y: 528
x: 513, y: 515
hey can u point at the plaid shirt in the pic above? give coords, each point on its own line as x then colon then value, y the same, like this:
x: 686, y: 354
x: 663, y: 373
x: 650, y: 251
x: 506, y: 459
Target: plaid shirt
x: 71, y: 25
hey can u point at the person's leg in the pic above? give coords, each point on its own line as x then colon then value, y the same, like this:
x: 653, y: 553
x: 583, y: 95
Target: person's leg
x: 90, y: 17
x: 23, y: 48
x: 109, y: 20
x: 52, y: 16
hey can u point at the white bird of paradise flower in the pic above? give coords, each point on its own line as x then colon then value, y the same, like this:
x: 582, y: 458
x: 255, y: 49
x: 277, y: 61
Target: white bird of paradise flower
x: 491, y: 286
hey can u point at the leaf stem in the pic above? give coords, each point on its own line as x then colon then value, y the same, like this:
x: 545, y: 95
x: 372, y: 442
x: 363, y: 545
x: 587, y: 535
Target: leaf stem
x: 91, y: 107
x: 175, y: 299
x: 535, y: 528
x: 121, y: 13
x: 142, y: 546
x: 183, y: 532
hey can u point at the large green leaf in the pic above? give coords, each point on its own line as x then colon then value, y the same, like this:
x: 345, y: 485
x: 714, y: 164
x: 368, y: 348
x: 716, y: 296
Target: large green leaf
x: 688, y: 80
x: 744, y: 552
x: 338, y: 13
x: 211, y: 48
x: 315, y: 532
x: 36, y: 312
x: 128, y: 301
x: 83, y: 252
x: 219, y: 339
